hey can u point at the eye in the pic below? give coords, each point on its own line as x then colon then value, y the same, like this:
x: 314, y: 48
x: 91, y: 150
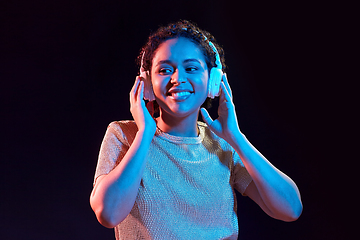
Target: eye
x: 191, y: 69
x: 164, y: 71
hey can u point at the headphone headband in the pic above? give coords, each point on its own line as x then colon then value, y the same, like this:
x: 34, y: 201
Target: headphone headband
x: 217, y: 56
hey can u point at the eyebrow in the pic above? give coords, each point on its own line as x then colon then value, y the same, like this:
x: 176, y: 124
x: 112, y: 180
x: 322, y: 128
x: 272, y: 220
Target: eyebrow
x: 185, y: 61
x: 191, y: 60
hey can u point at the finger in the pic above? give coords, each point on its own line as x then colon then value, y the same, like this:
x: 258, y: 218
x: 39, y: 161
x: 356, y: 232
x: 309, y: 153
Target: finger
x: 226, y: 93
x: 227, y: 85
x: 222, y: 97
x: 141, y: 91
x: 206, y: 116
x: 134, y: 88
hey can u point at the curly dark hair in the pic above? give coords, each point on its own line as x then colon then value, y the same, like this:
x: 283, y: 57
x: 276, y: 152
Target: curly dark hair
x: 186, y: 29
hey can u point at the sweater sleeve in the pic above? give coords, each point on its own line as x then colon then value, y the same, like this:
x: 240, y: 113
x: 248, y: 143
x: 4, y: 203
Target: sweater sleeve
x: 113, y: 148
x: 242, y: 178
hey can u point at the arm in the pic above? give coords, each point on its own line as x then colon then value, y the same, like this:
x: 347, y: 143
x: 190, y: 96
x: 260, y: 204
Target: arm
x: 114, y: 194
x: 271, y: 189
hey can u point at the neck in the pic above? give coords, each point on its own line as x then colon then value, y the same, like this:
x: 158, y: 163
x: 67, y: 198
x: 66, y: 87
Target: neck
x: 178, y: 126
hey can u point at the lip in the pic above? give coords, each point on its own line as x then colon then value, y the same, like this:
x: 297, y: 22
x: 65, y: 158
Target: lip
x: 179, y: 94
x: 177, y: 90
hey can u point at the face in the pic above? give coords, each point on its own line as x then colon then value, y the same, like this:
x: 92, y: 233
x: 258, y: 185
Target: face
x: 179, y: 77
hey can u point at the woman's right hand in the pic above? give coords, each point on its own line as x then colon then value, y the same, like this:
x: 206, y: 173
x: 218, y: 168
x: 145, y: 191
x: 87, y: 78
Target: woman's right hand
x: 140, y: 113
x: 114, y: 194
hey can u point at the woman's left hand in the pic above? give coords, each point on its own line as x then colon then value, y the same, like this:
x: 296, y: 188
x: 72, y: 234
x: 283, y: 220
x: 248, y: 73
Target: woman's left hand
x: 226, y: 125
x: 272, y: 190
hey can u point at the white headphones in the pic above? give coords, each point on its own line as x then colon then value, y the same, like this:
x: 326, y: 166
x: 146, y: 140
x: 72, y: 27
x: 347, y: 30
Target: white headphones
x: 216, y: 74
x: 214, y: 79
x: 148, y: 88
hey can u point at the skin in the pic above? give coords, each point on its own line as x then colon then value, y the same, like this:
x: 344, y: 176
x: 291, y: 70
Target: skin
x: 179, y: 65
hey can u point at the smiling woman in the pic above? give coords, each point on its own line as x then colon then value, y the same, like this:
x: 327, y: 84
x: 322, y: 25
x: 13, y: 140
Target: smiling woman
x: 212, y: 51
x: 179, y: 79
x: 173, y: 177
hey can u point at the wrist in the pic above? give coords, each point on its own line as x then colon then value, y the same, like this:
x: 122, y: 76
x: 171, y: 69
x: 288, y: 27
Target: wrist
x: 236, y: 138
x: 147, y: 132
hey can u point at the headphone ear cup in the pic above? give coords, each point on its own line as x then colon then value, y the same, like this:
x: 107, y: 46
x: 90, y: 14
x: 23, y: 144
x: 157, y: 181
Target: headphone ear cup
x: 148, y: 89
x: 210, y: 85
x: 214, y: 82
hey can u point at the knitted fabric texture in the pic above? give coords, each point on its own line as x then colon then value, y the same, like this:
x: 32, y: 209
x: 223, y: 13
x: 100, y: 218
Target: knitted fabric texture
x: 187, y: 188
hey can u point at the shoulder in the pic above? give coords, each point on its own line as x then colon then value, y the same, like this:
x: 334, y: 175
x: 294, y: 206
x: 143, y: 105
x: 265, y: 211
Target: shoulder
x: 218, y: 146
x: 210, y: 136
x: 124, y: 130
x: 124, y: 125
x: 203, y: 127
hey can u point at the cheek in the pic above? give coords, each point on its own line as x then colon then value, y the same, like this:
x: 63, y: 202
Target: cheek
x: 157, y: 83
x: 202, y: 87
x: 204, y: 84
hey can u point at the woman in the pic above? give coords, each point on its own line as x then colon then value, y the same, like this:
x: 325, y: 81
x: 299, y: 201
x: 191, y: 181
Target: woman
x: 173, y: 177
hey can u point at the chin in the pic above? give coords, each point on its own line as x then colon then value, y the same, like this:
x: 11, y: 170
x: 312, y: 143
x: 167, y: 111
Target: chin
x: 180, y: 108
x: 180, y: 111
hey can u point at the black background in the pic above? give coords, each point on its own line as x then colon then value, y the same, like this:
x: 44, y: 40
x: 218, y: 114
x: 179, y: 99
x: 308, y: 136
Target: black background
x: 66, y: 70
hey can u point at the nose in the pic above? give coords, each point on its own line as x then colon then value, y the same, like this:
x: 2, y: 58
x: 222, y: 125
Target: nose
x: 178, y: 77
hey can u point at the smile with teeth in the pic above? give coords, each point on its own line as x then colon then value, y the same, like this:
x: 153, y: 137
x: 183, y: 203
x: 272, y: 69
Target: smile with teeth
x: 180, y: 94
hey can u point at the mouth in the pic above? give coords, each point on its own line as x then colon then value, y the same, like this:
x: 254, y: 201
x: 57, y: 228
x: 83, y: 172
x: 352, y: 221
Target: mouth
x: 179, y: 95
